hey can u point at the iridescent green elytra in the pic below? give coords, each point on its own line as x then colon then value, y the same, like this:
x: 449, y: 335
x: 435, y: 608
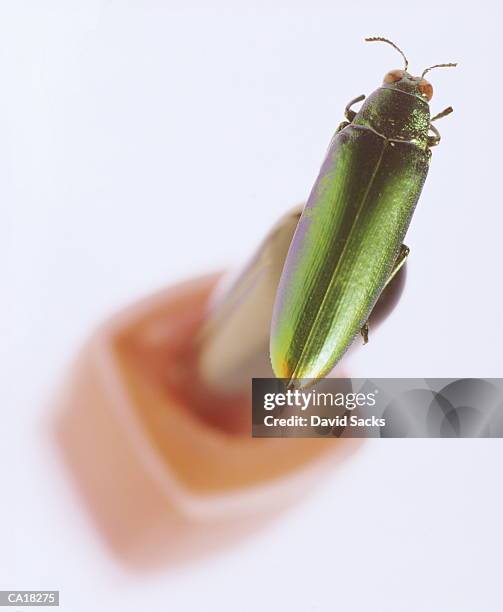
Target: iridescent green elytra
x: 348, y: 243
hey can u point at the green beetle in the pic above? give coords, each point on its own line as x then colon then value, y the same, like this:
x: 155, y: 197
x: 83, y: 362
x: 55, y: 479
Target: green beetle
x: 349, y: 241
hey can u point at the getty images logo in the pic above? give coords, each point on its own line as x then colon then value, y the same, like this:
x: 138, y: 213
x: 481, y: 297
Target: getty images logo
x: 304, y: 400
x: 380, y: 407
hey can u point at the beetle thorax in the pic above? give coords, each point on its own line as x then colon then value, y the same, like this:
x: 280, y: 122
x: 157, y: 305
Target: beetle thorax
x: 397, y: 115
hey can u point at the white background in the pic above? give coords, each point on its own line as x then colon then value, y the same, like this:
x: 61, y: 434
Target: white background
x: 145, y: 142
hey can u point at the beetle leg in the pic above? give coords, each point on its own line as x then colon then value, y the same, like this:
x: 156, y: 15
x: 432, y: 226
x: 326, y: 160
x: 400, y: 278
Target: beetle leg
x: 435, y: 139
x: 400, y: 260
x: 342, y: 126
x: 444, y: 113
x: 350, y: 114
x: 364, y: 331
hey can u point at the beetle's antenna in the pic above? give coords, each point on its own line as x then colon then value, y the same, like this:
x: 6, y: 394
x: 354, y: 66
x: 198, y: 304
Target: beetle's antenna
x: 438, y: 66
x: 381, y: 39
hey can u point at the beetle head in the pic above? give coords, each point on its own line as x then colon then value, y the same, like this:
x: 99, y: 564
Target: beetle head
x: 402, y: 80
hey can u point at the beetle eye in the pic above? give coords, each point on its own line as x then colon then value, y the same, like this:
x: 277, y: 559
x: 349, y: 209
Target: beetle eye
x: 393, y: 76
x: 426, y: 89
